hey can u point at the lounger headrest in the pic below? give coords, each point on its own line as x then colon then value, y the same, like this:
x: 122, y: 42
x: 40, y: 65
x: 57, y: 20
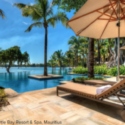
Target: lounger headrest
x: 115, y: 88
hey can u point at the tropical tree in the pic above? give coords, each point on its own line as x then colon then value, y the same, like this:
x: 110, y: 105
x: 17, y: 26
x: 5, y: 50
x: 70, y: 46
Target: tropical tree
x: 75, y: 44
x: 83, y: 50
x: 2, y: 13
x: 68, y: 5
x: 52, y: 61
x: 26, y: 58
x: 91, y: 58
x: 69, y: 56
x: 9, y: 57
x: 59, y: 56
x: 42, y: 11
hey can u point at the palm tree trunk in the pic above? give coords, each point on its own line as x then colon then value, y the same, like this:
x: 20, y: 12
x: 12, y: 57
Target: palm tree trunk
x: 91, y: 58
x: 77, y: 59
x: 45, y: 54
x: 98, y: 52
x: 60, y: 64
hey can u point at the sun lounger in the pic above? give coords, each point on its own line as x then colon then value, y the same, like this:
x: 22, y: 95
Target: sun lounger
x: 99, y: 82
x: 89, y: 92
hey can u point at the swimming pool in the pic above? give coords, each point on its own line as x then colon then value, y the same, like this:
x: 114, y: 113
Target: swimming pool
x: 18, y: 80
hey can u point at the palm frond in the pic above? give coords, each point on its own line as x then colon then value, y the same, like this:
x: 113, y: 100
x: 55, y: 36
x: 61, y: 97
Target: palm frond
x: 20, y: 5
x: 37, y: 24
x: 2, y: 14
x: 28, y: 10
x: 58, y: 17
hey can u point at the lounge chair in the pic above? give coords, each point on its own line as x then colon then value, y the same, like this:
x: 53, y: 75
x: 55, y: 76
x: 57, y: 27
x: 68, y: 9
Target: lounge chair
x: 99, y: 82
x: 89, y: 92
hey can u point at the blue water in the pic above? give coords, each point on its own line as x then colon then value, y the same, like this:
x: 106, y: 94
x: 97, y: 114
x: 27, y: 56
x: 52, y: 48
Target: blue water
x: 18, y: 78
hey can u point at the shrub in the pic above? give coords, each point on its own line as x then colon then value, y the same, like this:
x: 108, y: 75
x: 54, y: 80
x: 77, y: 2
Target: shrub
x: 3, y: 98
x: 100, y: 70
x: 82, y: 79
x: 80, y: 70
x: 113, y: 71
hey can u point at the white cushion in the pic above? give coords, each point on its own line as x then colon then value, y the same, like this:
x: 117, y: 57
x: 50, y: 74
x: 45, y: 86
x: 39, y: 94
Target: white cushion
x: 101, y: 89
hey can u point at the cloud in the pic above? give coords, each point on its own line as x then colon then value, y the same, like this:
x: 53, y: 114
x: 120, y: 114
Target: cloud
x: 31, y: 3
x: 9, y: 1
x: 26, y: 23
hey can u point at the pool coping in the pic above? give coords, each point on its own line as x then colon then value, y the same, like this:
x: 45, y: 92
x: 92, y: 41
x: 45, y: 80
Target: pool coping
x: 42, y: 77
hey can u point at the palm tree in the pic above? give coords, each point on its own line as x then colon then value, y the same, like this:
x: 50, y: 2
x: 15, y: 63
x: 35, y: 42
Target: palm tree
x: 83, y: 50
x: 26, y: 58
x: 69, y: 57
x: 52, y: 60
x: 59, y: 56
x: 75, y: 44
x: 91, y: 58
x: 2, y: 13
x: 42, y: 11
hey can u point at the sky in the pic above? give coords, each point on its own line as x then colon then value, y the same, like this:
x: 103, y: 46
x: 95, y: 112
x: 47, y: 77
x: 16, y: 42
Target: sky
x: 12, y: 33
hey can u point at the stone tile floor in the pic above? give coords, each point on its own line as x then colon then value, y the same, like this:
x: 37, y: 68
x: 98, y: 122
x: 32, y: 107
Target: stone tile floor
x: 37, y: 107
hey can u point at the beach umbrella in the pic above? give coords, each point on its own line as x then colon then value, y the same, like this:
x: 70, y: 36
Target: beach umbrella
x: 100, y: 19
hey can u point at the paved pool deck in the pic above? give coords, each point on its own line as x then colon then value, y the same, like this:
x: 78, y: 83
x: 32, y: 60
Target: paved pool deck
x: 42, y: 77
x: 66, y: 109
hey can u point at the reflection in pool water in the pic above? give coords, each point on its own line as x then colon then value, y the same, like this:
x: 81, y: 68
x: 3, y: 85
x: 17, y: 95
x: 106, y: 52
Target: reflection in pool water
x: 18, y: 80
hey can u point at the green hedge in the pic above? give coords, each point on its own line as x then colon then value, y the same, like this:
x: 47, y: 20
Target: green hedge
x: 80, y: 70
x: 101, y: 70
x: 82, y: 79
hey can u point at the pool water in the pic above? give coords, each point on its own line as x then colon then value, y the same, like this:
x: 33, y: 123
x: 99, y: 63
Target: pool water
x: 18, y: 78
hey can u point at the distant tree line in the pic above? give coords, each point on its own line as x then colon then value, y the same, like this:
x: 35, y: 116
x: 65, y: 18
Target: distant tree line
x: 9, y: 56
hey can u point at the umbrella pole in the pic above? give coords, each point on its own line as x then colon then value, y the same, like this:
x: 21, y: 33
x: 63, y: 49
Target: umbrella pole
x: 118, y: 65
x: 118, y: 62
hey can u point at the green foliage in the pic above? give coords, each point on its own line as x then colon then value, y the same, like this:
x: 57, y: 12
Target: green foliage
x: 3, y: 98
x: 82, y: 79
x: 42, y: 11
x: 10, y: 56
x: 113, y: 71
x: 100, y: 70
x: 80, y: 70
x: 2, y: 13
x: 69, y: 5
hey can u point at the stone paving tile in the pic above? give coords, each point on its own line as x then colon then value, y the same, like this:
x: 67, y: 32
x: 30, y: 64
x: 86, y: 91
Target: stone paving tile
x: 19, y: 105
x: 10, y: 121
x: 84, y: 122
x: 109, y: 120
x: 22, y: 113
x: 84, y: 113
x: 4, y: 115
x: 70, y: 110
x: 73, y: 119
x: 56, y: 109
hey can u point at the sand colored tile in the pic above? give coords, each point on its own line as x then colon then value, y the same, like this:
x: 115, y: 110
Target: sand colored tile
x: 73, y: 119
x: 56, y: 109
x: 67, y: 115
x: 70, y: 110
x: 22, y: 113
x: 19, y: 105
x: 85, y: 122
x: 4, y: 115
x: 107, y: 119
x: 84, y: 113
